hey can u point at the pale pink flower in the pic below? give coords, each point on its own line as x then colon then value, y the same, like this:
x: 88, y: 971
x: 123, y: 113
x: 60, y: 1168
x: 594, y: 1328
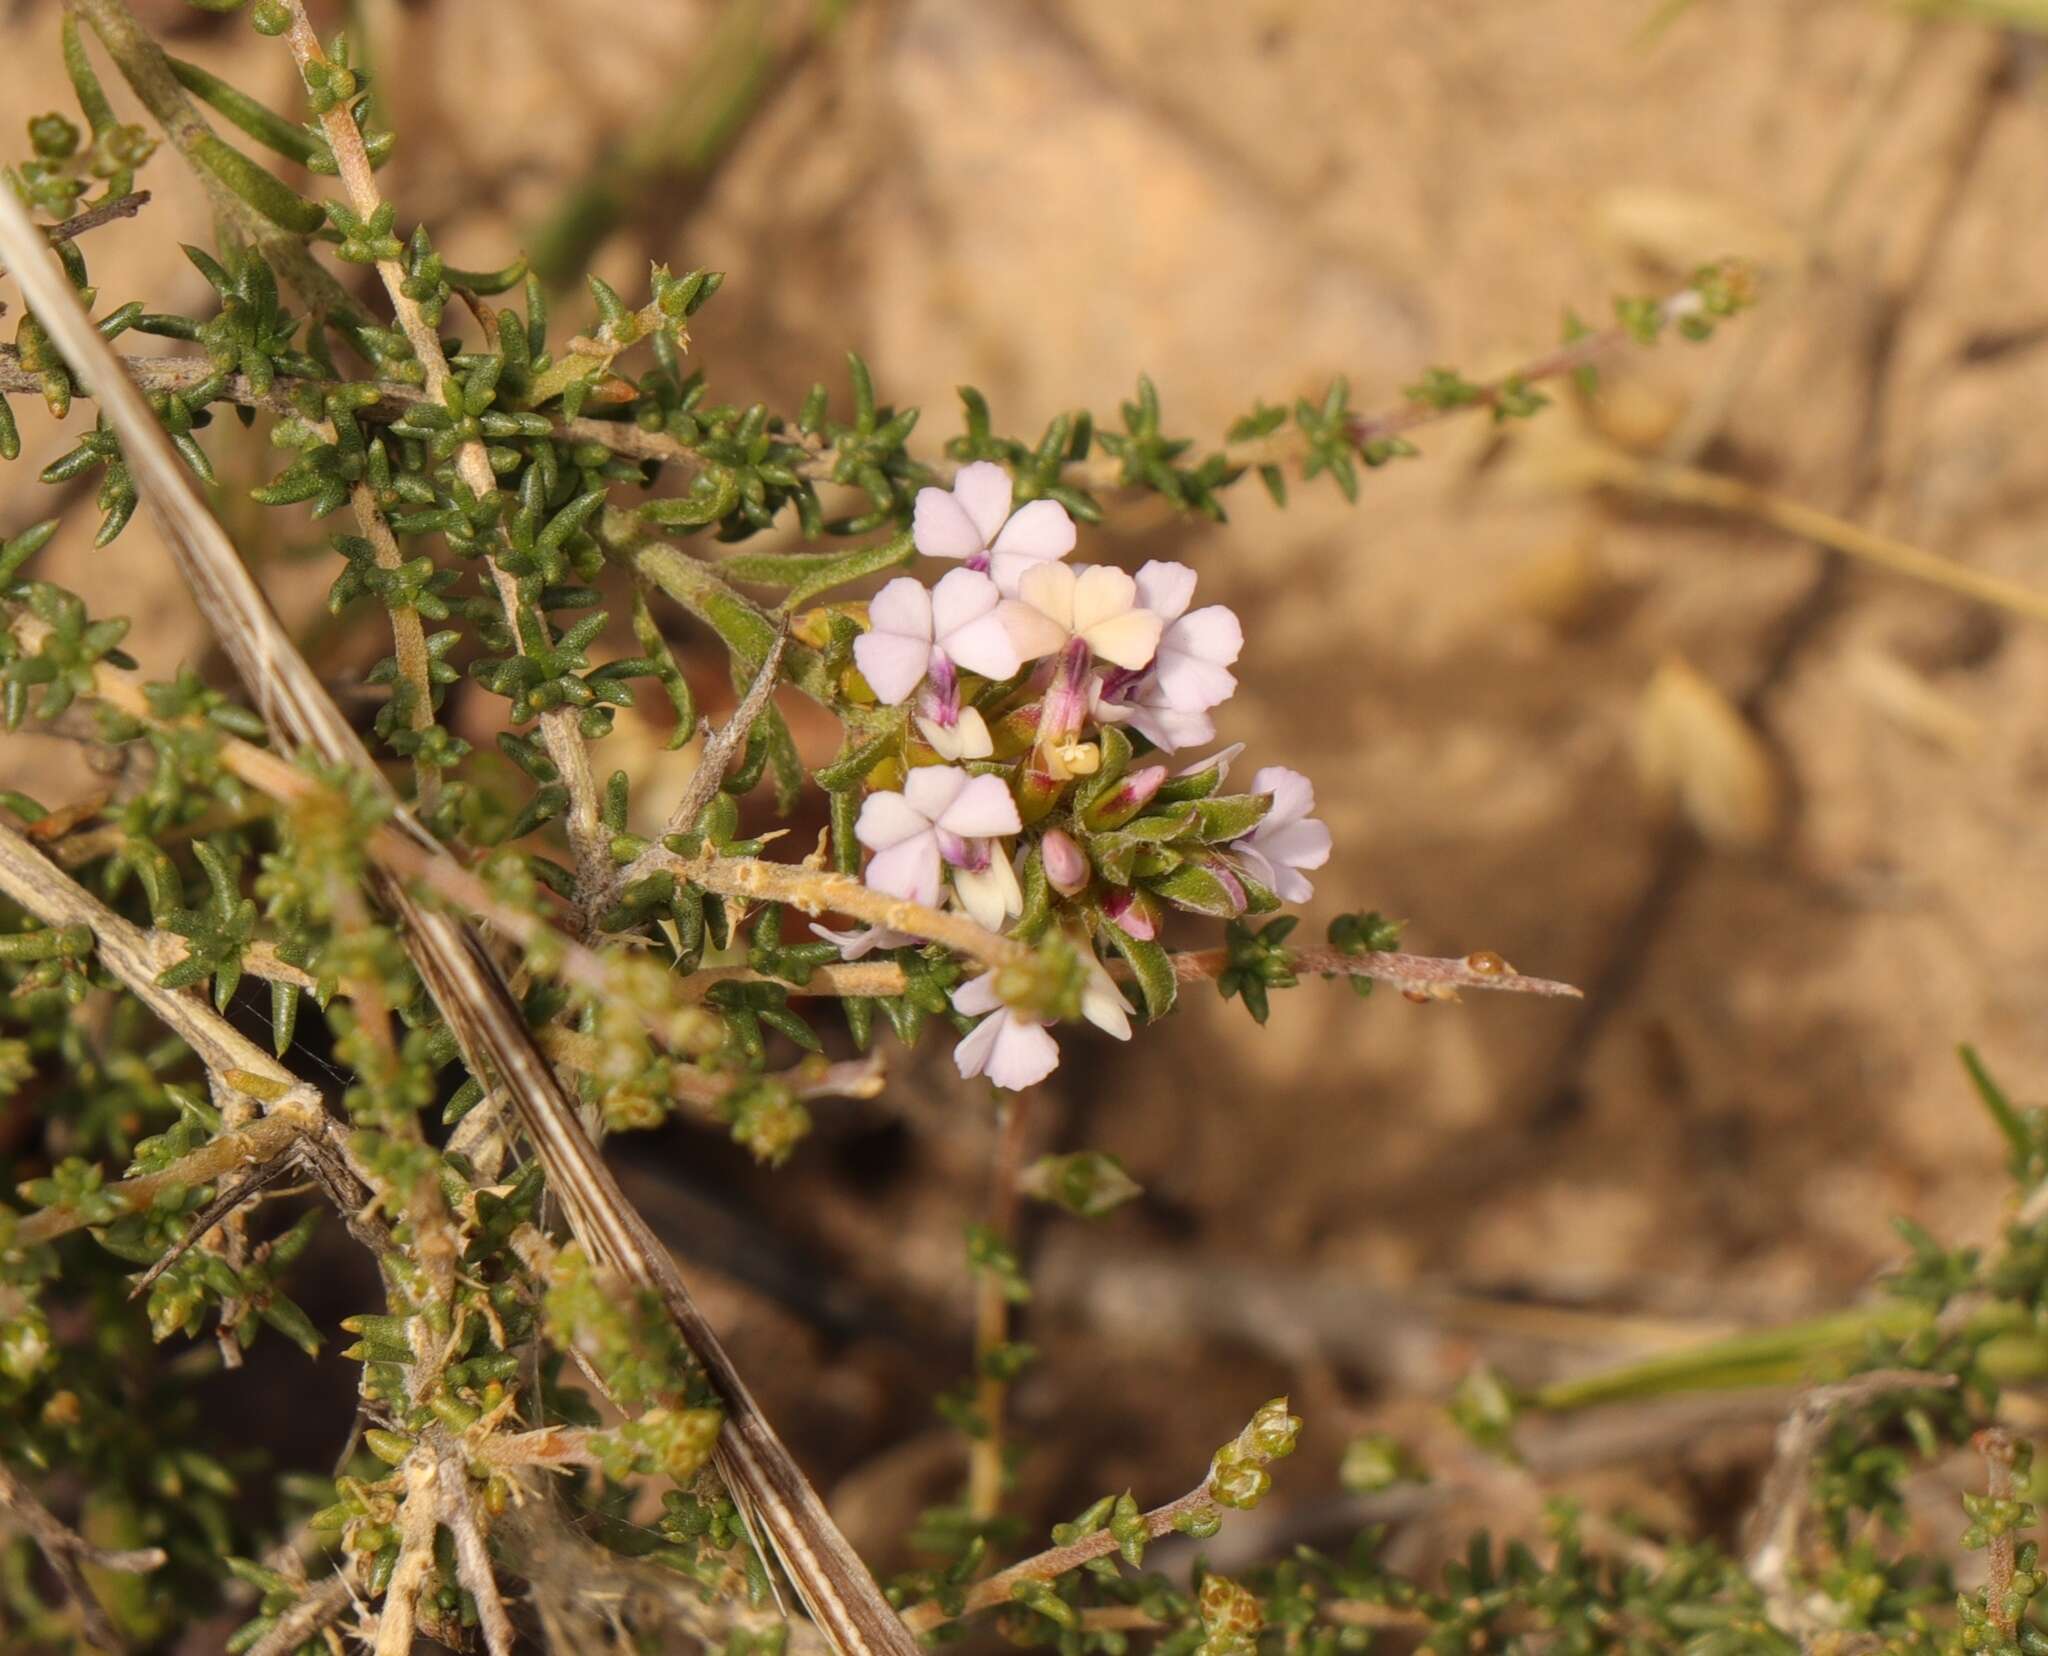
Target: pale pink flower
x: 1096, y: 605
x: 1287, y: 839
x: 1192, y: 667
x: 913, y: 630
x: 1015, y: 1050
x: 943, y: 817
x: 1134, y: 700
x: 1168, y: 703
x: 973, y: 521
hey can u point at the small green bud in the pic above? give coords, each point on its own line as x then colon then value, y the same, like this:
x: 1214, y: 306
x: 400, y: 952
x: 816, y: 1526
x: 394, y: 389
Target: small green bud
x: 1376, y: 1462
x: 53, y: 137
x: 1087, y: 1183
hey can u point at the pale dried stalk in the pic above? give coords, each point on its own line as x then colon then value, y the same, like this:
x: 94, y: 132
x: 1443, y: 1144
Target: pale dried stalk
x: 559, y: 733
x: 462, y: 978
x: 321, y: 1605
x: 64, y: 1550
x: 136, y: 957
x: 814, y: 891
x: 260, y: 1142
x: 418, y: 1515
x: 1780, y: 1511
x: 472, y: 1557
x: 1424, y: 977
x: 721, y: 752
x: 1596, y: 464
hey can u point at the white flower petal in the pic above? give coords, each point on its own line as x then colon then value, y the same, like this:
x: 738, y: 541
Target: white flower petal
x: 1256, y: 865
x: 1103, y: 1004
x: 976, y: 1047
x: 887, y: 818
x: 1220, y: 760
x: 982, y: 809
x: 1290, y: 887
x: 1166, y: 589
x: 983, y: 492
x: 1024, y: 1055
x: 1298, y: 844
x: 1041, y: 529
x: 1213, y: 632
x: 861, y: 941
x: 903, y: 606
x: 940, y: 527
x: 967, y: 739
x: 985, y: 894
x: 910, y: 870
x: 892, y: 664
x: 977, y: 994
x: 1188, y: 684
x: 931, y: 789
x: 961, y: 596
x: 970, y: 731
x: 1049, y: 589
x: 1129, y: 640
x: 985, y: 646
x: 1102, y: 593
x: 1032, y: 632
x: 1294, y: 796
x: 1169, y: 730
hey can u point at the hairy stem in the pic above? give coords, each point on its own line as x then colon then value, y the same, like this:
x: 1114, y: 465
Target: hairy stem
x: 559, y: 732
x: 992, y: 1311
x: 1055, y: 1562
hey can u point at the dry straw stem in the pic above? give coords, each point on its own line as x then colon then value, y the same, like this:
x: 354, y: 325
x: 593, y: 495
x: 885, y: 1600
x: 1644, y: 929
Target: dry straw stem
x: 1597, y: 465
x: 66, y: 1552
x: 250, y: 1073
x: 1781, y: 1506
x: 462, y: 978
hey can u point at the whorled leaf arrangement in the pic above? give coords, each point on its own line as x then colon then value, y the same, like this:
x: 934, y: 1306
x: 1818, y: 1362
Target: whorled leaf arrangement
x: 1012, y: 826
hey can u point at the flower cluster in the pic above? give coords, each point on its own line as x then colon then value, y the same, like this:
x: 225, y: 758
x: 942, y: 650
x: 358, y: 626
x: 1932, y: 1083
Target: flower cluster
x: 1039, y: 793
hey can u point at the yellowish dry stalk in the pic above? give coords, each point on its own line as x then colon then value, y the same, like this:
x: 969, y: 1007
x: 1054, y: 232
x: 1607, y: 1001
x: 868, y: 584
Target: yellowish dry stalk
x: 418, y: 1515
x: 462, y: 977
x: 1600, y: 465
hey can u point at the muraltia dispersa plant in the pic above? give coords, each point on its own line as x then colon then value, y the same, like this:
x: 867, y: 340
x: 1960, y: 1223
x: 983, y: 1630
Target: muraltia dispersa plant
x: 1037, y: 818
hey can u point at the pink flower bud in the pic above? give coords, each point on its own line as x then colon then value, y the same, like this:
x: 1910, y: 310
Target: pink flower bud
x: 1127, y: 798
x: 1066, y: 864
x: 1132, y: 914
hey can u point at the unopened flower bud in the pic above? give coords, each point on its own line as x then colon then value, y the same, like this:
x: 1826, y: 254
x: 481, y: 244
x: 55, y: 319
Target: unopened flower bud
x: 1130, y: 796
x: 1066, y: 864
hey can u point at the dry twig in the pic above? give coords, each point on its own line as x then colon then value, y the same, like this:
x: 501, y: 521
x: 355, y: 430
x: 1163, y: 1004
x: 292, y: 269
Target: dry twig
x: 463, y: 979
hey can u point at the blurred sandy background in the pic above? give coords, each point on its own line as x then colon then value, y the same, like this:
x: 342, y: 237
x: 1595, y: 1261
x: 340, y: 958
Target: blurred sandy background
x: 1477, y: 663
